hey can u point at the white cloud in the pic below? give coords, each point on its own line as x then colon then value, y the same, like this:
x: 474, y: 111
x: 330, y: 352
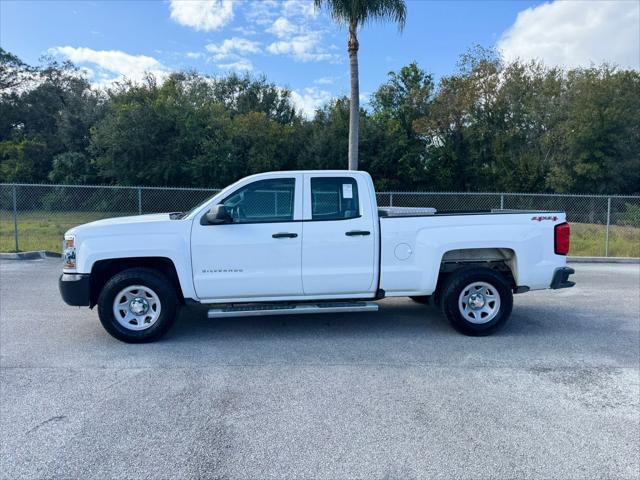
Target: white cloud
x: 233, y: 47
x: 305, y: 47
x: 294, y: 24
x: 576, y: 34
x: 304, y: 8
x: 241, y: 64
x: 246, y: 31
x: 283, y: 28
x: 232, y: 50
x: 324, y: 81
x: 113, y: 64
x: 309, y: 100
x: 262, y: 12
x: 296, y: 33
x: 194, y: 55
x: 203, y: 15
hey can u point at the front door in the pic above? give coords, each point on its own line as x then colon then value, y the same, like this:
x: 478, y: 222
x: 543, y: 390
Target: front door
x: 258, y: 255
x: 339, y: 245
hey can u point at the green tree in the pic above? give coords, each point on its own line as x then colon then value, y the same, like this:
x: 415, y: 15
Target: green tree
x: 149, y: 134
x: 194, y: 130
x: 73, y: 168
x: 354, y: 14
x: 243, y: 94
x: 13, y: 72
x: 23, y: 161
x: 447, y: 133
x: 52, y: 106
x: 490, y: 125
x: 599, y: 131
x: 404, y: 99
x: 327, y: 144
x: 526, y: 111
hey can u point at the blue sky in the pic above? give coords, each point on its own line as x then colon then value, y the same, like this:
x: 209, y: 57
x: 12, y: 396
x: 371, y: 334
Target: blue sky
x: 297, y: 47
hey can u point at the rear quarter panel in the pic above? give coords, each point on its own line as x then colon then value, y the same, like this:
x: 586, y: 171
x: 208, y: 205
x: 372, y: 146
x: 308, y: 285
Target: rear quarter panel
x: 428, y: 238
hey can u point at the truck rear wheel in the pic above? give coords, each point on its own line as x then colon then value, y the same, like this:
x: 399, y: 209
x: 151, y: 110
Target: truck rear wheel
x: 137, y: 305
x: 477, y: 301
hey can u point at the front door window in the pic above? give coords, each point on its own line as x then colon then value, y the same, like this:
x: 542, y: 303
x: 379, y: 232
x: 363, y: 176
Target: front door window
x: 264, y: 201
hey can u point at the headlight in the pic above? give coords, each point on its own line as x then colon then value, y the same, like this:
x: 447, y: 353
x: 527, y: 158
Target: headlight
x: 69, y: 252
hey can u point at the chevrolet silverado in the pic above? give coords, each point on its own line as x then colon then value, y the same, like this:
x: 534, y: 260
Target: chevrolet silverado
x: 309, y: 242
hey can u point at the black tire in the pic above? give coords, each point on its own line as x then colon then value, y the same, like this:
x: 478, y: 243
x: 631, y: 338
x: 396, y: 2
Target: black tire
x: 151, y: 279
x: 462, y: 279
x: 423, y: 299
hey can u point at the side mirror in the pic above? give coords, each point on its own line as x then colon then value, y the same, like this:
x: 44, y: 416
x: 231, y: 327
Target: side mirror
x: 217, y: 215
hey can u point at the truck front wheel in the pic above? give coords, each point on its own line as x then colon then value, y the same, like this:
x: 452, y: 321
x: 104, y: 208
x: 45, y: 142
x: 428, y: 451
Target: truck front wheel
x: 477, y: 301
x: 137, y: 305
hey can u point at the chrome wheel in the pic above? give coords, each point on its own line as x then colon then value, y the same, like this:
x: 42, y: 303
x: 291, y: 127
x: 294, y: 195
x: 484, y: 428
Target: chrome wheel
x: 136, y: 307
x: 479, y: 302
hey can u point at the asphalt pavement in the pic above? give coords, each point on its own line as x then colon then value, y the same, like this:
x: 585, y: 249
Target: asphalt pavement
x: 394, y: 394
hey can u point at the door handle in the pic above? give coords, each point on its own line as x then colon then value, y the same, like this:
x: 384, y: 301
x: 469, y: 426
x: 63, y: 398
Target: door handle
x: 354, y: 233
x: 284, y: 235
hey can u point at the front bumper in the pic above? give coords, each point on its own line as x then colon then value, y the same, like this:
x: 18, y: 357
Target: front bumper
x: 75, y: 289
x: 561, y: 278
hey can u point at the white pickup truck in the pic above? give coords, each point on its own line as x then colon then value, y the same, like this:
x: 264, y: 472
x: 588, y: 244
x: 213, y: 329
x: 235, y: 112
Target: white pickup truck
x: 309, y: 242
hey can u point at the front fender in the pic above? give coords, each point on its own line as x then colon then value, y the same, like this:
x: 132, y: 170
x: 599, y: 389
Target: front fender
x: 173, y: 246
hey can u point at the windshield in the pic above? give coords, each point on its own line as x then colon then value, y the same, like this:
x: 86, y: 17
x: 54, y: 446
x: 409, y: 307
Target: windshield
x: 190, y: 213
x: 194, y: 209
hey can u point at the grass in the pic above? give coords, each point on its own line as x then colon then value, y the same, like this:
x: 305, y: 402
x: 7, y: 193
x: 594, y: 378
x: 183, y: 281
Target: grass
x: 43, y: 231
x: 589, y: 240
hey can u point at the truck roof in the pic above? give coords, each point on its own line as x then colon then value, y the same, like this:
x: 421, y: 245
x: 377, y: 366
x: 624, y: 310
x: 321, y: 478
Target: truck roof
x: 294, y: 172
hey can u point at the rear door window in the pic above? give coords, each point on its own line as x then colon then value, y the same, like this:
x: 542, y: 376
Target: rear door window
x: 334, y: 198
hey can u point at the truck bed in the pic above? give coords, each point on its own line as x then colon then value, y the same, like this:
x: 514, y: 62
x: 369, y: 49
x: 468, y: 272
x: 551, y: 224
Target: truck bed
x: 415, y: 242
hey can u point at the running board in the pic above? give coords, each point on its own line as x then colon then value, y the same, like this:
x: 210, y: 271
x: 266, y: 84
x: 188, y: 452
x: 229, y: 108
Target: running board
x: 291, y: 309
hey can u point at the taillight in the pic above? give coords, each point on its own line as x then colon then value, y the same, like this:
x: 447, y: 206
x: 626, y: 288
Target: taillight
x: 562, y: 234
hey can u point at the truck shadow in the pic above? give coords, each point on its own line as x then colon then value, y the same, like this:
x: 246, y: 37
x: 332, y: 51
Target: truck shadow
x: 405, y: 318
x: 397, y: 319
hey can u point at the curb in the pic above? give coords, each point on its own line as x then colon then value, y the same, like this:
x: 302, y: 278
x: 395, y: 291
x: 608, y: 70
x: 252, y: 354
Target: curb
x: 29, y: 255
x: 633, y: 260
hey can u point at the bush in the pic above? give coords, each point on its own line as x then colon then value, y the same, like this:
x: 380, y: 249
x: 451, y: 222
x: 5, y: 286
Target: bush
x: 631, y: 216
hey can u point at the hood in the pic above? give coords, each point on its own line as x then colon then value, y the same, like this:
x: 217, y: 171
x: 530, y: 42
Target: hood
x: 122, y: 222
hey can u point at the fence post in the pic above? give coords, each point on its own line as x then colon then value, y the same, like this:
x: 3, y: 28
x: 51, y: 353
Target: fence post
x: 502, y: 201
x: 391, y: 199
x: 15, y: 219
x: 606, y: 236
x: 139, y: 201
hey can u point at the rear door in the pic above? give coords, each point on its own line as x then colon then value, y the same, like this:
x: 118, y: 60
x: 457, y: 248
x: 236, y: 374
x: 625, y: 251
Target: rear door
x: 339, y: 245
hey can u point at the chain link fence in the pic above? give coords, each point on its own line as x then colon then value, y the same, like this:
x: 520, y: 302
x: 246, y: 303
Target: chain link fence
x: 34, y: 217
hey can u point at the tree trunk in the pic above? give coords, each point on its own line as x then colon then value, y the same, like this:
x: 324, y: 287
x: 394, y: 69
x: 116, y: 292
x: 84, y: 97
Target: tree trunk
x: 354, y: 110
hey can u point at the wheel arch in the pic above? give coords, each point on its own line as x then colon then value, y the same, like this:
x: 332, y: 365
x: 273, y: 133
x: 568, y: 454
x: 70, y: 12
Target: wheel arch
x: 500, y: 259
x: 103, y: 270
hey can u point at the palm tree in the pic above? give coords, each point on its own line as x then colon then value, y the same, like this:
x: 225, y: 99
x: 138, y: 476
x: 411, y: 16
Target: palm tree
x: 354, y: 14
